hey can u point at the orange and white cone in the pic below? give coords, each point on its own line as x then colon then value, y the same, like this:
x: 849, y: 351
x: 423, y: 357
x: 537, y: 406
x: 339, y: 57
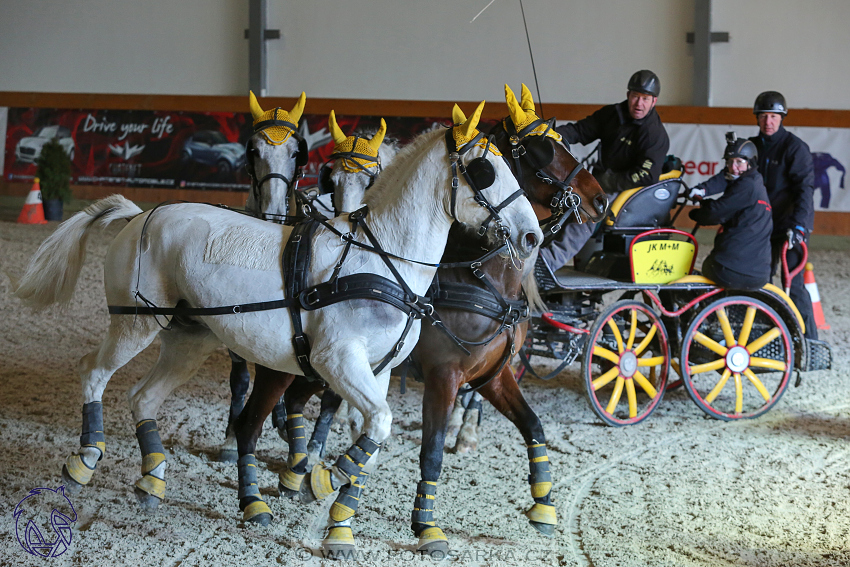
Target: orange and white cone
x: 33, y: 211
x: 812, y: 288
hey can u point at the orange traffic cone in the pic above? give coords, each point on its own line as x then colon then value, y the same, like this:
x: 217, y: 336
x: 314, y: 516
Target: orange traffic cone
x: 33, y: 211
x: 812, y: 288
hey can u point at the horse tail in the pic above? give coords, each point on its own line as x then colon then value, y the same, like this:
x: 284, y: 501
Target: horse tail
x: 52, y: 274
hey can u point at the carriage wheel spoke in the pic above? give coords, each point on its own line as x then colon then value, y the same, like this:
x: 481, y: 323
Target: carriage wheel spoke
x: 747, y: 326
x: 616, y: 330
x: 615, y: 395
x: 646, y: 384
x: 763, y: 340
x: 632, y: 330
x: 739, y: 393
x: 645, y: 342
x: 652, y: 361
x: 708, y: 366
x: 718, y: 387
x: 727, y: 328
x: 710, y: 344
x: 603, y: 352
x: 757, y: 383
x: 605, y: 378
x: 768, y: 363
x: 630, y: 392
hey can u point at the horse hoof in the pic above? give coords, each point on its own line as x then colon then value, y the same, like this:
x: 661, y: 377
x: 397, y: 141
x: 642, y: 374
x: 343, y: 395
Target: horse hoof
x: 284, y: 492
x: 147, y: 502
x: 283, y: 434
x: 228, y: 456
x: 339, y: 543
x: 315, y: 451
x: 436, y: 550
x: 261, y: 519
x: 546, y: 529
x: 464, y: 446
x: 71, y: 485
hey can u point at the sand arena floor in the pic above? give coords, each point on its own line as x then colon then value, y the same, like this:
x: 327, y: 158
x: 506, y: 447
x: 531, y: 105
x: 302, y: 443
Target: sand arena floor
x: 679, y: 490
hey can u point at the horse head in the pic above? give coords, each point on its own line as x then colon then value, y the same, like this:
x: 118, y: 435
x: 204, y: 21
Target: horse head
x: 493, y: 202
x: 357, y: 163
x: 559, y: 188
x: 274, y: 156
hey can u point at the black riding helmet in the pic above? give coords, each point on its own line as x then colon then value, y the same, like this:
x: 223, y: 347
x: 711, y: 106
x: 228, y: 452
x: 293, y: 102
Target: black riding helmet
x: 740, y: 148
x: 645, y: 82
x: 770, y: 101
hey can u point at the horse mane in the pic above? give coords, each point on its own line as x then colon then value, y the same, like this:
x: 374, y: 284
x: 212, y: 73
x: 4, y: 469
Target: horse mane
x: 404, y: 160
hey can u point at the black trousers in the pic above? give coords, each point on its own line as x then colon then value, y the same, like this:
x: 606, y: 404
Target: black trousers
x: 798, y: 292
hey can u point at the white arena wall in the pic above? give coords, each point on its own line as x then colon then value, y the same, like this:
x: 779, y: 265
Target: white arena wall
x: 584, y: 50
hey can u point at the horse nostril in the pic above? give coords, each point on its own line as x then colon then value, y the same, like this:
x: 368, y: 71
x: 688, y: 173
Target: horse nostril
x: 531, y: 240
x: 600, y: 203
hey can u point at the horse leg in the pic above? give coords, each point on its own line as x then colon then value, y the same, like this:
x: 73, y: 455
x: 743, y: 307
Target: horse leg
x: 347, y: 362
x: 240, y: 380
x: 504, y: 394
x: 279, y: 419
x: 467, y: 437
x: 123, y: 341
x: 269, y: 386
x: 183, y: 350
x: 440, y: 389
x: 297, y: 395
x: 456, y: 419
x: 319, y: 439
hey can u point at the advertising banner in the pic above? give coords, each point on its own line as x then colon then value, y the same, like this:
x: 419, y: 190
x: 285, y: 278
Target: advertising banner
x: 167, y: 149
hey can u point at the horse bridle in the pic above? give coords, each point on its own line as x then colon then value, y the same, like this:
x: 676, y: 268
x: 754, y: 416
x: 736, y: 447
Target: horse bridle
x: 301, y: 157
x: 566, y: 201
x: 479, y: 174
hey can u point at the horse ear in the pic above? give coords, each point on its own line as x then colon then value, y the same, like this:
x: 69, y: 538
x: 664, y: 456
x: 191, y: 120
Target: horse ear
x: 458, y: 117
x: 516, y: 111
x: 336, y: 132
x: 298, y: 109
x: 378, y: 138
x: 256, y: 111
x: 526, y: 101
x: 467, y: 129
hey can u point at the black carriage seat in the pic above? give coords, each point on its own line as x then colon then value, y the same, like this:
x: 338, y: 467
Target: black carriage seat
x: 646, y: 207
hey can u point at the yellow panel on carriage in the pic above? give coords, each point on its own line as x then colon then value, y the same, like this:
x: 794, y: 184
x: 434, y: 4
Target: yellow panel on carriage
x: 661, y: 261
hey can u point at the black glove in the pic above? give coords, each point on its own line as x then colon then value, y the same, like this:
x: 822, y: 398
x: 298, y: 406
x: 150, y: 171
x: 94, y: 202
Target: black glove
x: 796, y: 235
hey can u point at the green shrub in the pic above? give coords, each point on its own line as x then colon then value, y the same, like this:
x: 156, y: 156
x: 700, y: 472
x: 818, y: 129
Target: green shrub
x: 54, y: 172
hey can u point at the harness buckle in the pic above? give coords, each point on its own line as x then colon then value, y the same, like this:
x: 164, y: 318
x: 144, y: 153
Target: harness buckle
x: 478, y: 273
x: 237, y: 309
x: 296, y: 238
x: 311, y: 293
x: 482, y: 230
x: 455, y: 183
x: 517, y: 152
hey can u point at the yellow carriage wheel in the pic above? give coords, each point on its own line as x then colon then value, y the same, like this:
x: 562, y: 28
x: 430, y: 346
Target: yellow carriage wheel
x: 626, y: 363
x: 737, y: 358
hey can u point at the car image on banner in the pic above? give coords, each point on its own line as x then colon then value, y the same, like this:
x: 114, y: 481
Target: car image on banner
x: 212, y: 148
x: 28, y: 149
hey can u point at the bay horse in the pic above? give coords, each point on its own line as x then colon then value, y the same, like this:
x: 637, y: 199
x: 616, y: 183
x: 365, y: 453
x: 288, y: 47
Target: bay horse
x: 217, y: 273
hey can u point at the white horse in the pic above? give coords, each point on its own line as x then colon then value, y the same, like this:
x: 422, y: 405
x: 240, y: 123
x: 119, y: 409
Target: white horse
x: 199, y: 256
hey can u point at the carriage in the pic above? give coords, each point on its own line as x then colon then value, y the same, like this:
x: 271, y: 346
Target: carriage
x: 635, y: 313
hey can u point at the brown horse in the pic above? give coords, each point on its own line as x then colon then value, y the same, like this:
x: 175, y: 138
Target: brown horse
x: 555, y: 182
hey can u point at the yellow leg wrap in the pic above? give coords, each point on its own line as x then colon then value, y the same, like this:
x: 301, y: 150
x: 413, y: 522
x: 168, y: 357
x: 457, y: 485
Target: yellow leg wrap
x: 78, y: 470
x: 291, y: 480
x: 152, y: 485
x: 255, y: 509
x: 100, y: 446
x: 339, y: 535
x: 540, y: 489
x: 340, y: 512
x: 432, y: 534
x: 320, y: 482
x: 542, y: 514
x: 151, y: 461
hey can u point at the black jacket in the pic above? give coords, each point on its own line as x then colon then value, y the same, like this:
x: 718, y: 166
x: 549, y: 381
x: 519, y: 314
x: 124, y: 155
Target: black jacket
x: 743, y: 211
x: 785, y: 163
x: 633, y: 150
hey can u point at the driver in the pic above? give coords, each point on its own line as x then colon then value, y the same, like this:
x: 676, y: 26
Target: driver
x: 632, y: 149
x: 741, y: 255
